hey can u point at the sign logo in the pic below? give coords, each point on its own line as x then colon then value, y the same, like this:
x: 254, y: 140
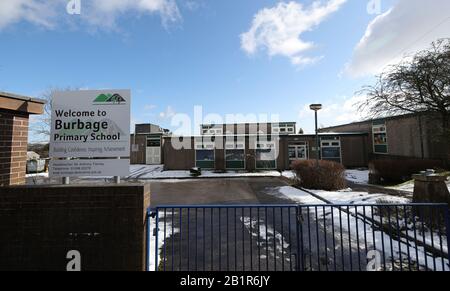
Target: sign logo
x: 110, y: 99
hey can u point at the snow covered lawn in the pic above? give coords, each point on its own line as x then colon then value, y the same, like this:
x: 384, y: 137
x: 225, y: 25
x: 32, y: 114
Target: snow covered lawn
x: 354, y: 221
x: 154, y: 172
x: 148, y: 172
x: 346, y: 196
x: 36, y: 175
x: 357, y: 176
x: 409, y: 186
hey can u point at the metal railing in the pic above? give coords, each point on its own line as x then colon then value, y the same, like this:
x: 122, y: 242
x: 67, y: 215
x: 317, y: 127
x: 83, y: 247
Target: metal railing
x: 378, y: 237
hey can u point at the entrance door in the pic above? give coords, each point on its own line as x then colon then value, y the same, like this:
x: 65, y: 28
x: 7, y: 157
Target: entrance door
x: 298, y: 152
x: 153, y: 151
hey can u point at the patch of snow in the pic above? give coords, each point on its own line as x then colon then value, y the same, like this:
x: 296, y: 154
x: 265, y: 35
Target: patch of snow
x: 152, y: 246
x: 357, y: 232
x: 357, y: 176
x: 348, y: 196
x: 294, y: 194
x: 409, y: 186
x: 146, y: 172
x: 289, y: 174
x: 45, y: 175
x: 266, y: 237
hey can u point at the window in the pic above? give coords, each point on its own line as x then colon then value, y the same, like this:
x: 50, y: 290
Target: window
x: 212, y: 130
x: 154, y: 142
x: 331, y: 150
x: 235, y: 153
x: 283, y: 128
x: 380, y: 144
x: 298, y: 152
x: 266, y: 155
x: 204, y: 154
x: 204, y: 159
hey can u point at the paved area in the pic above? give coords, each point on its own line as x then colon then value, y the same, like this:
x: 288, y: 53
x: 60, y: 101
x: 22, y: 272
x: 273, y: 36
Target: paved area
x: 216, y: 191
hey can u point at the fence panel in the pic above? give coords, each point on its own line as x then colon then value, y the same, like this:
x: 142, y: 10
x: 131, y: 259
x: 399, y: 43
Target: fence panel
x: 381, y: 237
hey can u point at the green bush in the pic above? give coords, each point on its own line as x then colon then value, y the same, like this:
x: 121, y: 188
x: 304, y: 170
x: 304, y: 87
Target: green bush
x: 401, y: 170
x: 329, y: 176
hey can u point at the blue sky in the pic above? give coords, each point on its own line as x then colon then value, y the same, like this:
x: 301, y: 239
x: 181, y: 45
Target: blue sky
x: 183, y: 53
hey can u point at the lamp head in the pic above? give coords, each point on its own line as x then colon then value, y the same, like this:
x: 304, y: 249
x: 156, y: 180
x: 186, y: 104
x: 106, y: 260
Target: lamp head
x: 315, y: 107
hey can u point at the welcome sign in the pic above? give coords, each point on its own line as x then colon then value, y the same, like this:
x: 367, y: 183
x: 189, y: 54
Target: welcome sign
x: 90, y: 124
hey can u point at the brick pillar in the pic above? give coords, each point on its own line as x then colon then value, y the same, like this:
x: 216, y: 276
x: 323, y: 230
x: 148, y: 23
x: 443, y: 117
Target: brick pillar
x: 13, y: 147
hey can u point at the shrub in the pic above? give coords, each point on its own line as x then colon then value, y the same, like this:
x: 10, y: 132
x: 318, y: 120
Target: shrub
x: 329, y: 176
x: 401, y: 170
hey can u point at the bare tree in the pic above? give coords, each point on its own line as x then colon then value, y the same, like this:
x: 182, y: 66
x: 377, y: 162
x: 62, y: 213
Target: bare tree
x: 42, y: 123
x: 418, y: 84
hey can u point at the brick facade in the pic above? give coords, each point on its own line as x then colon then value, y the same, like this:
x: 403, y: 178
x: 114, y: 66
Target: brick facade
x: 13, y: 147
x: 105, y: 223
x: 14, y: 122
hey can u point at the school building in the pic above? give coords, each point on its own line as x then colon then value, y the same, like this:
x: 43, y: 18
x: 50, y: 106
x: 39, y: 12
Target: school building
x: 245, y: 147
x: 409, y: 136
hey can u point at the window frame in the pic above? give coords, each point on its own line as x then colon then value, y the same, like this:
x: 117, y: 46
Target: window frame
x: 296, y: 146
x: 235, y: 145
x: 331, y: 143
x: 380, y: 129
x: 202, y: 145
x: 265, y: 145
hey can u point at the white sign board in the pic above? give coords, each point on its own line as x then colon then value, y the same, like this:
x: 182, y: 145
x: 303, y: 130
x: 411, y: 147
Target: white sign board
x: 90, y: 167
x: 87, y: 124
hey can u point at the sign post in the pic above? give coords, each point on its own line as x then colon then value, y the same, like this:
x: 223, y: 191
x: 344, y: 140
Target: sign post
x: 90, y: 134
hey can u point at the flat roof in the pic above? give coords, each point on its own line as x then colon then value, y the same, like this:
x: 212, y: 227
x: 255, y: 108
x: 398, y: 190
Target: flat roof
x: 21, y: 97
x: 244, y: 123
x: 406, y: 115
x: 279, y: 135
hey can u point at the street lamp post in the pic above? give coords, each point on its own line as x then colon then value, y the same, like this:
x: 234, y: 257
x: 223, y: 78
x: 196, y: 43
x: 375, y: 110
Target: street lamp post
x: 315, y: 108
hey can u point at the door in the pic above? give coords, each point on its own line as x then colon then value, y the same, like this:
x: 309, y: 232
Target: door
x: 153, y: 151
x: 297, y: 152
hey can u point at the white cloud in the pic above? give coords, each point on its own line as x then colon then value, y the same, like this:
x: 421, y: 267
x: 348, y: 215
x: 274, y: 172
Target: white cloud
x: 338, y: 111
x: 41, y: 13
x: 96, y: 13
x: 278, y: 30
x: 409, y: 26
x: 104, y: 13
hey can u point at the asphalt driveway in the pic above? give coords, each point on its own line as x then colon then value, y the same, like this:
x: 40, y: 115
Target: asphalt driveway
x: 216, y: 191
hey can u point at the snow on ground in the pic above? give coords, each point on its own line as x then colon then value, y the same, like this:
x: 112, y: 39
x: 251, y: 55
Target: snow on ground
x: 357, y: 176
x: 348, y: 196
x: 382, y: 241
x: 289, y: 174
x: 409, y: 186
x: 155, y: 172
x: 147, y: 172
x: 36, y: 175
x: 296, y: 195
x: 393, y: 249
x: 265, y: 237
x: 152, y: 245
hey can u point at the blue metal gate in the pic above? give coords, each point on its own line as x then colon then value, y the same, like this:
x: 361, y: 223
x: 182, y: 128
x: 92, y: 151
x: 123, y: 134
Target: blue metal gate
x: 378, y: 237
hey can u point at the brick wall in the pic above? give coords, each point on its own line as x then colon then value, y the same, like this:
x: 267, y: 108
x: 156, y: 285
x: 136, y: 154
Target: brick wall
x: 13, y: 147
x: 105, y: 223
